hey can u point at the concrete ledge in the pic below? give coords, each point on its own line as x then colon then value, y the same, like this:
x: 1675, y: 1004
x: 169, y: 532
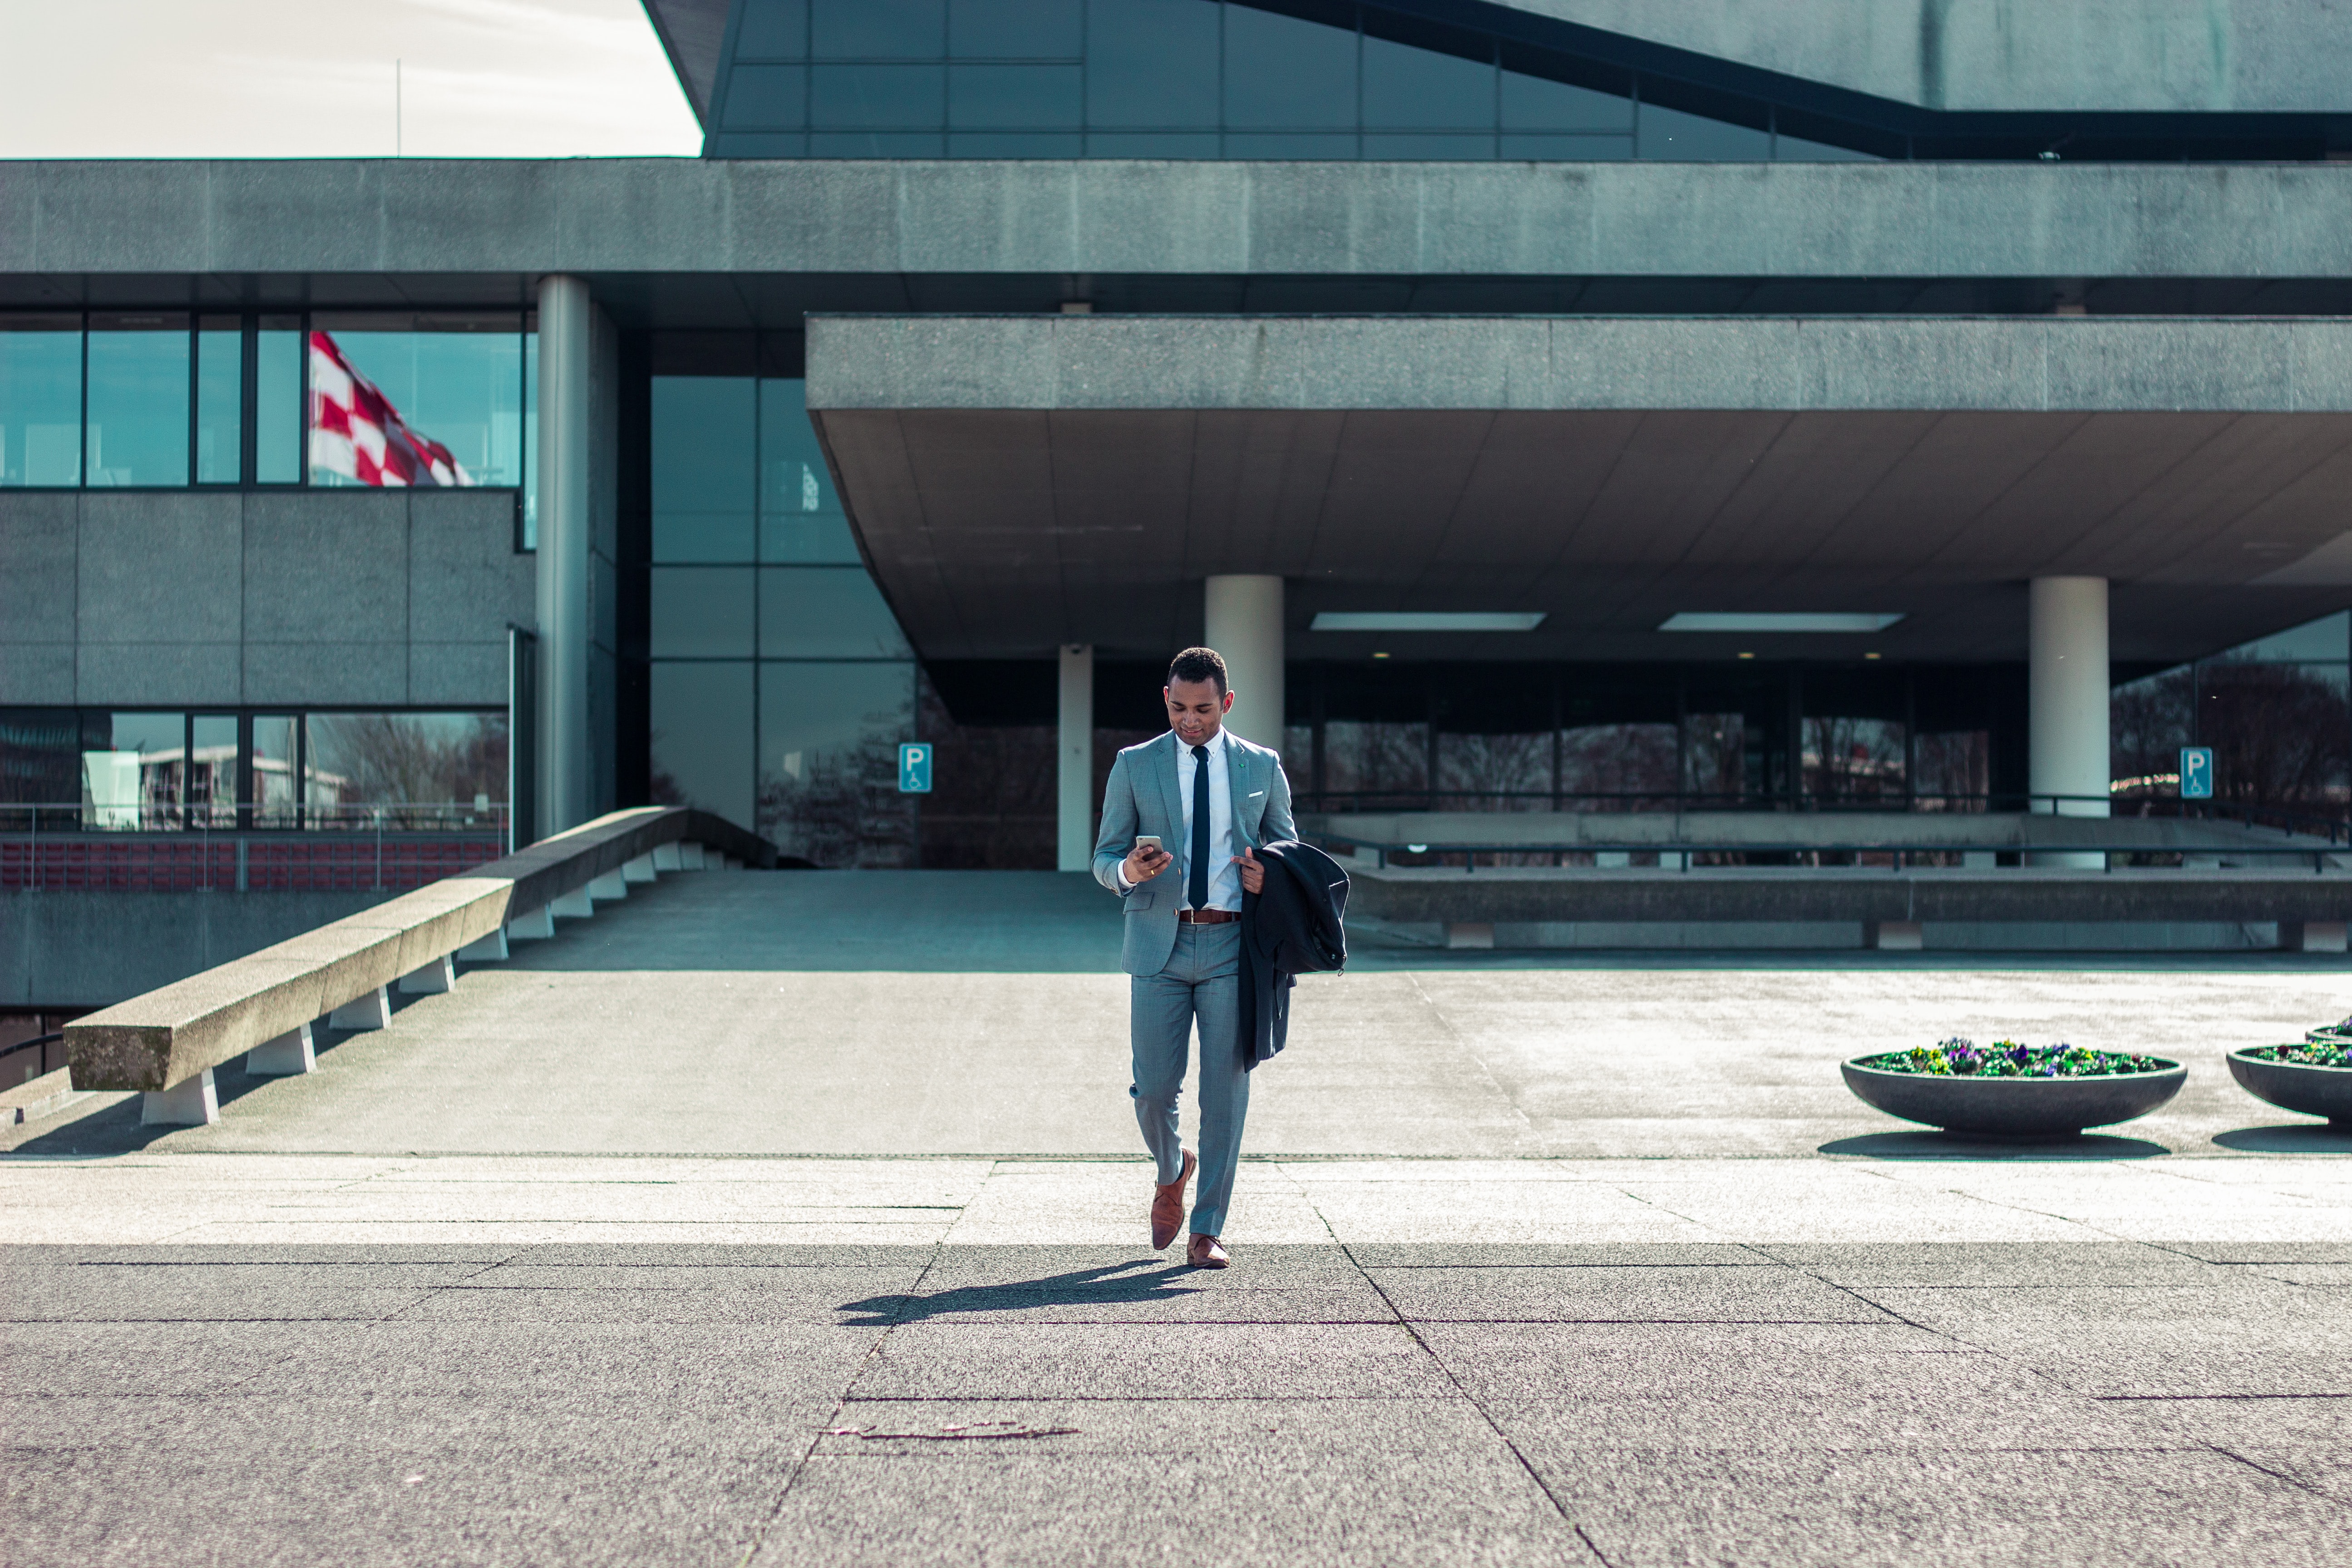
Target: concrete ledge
x: 166, y: 1037
x: 38, y: 1097
x: 1872, y: 899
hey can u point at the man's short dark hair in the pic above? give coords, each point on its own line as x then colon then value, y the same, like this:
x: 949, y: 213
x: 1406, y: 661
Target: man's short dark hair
x: 1199, y: 664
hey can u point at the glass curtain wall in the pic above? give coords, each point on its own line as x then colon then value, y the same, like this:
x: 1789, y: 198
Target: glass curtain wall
x: 779, y: 686
x: 2278, y: 712
x: 1202, y: 79
x: 155, y: 771
x: 165, y: 400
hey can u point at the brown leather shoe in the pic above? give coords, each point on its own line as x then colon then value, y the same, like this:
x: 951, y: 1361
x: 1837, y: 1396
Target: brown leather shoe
x: 1206, y: 1252
x: 1168, y: 1204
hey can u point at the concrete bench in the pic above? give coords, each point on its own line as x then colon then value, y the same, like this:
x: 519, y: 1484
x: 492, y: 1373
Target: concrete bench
x: 263, y: 1006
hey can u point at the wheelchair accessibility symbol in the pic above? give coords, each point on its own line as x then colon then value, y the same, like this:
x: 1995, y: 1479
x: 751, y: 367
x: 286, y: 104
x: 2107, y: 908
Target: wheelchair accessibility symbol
x: 2197, y: 773
x: 914, y: 768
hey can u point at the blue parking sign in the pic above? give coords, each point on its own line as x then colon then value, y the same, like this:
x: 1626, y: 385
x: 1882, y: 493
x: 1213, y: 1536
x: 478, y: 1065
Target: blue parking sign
x: 914, y: 768
x: 2197, y: 773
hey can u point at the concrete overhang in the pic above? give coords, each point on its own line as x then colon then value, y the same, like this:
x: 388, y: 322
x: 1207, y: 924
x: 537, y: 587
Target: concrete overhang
x: 742, y: 243
x: 1020, y: 482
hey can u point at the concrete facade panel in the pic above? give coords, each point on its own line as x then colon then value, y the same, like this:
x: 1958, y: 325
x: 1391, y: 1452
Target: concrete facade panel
x: 37, y: 674
x: 328, y: 566
x: 1880, y: 364
x: 458, y: 674
x: 467, y: 581
x: 509, y: 219
x: 38, y: 549
x: 314, y: 674
x: 159, y: 566
x: 158, y: 674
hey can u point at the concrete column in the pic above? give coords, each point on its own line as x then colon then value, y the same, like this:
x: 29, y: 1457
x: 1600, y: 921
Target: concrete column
x: 1076, y: 758
x: 1244, y: 624
x: 2066, y: 703
x: 564, y: 626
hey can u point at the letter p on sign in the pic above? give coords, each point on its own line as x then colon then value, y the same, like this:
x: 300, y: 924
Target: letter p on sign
x: 914, y: 768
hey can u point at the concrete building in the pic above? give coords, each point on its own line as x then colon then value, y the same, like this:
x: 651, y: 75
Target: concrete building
x: 1547, y: 405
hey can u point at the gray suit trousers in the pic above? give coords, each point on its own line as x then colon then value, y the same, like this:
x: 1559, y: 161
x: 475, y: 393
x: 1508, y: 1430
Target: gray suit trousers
x: 1201, y: 982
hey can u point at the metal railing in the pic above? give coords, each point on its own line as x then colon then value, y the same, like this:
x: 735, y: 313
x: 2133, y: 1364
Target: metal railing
x: 177, y: 847
x: 2285, y: 820
x: 1894, y: 858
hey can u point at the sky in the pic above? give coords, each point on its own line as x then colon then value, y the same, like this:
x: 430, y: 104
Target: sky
x: 315, y: 79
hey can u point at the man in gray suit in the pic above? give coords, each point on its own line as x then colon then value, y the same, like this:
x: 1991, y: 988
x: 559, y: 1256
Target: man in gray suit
x: 1211, y: 798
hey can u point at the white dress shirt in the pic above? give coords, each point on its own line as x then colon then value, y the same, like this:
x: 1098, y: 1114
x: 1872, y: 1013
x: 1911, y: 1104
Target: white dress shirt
x: 1224, y: 876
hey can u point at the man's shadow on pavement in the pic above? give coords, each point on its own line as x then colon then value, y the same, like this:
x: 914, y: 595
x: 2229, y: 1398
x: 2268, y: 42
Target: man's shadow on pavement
x: 1107, y: 1284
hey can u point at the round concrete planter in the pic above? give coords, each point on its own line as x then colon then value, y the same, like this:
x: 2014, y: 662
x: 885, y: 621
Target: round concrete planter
x: 2294, y: 1085
x: 2015, y: 1107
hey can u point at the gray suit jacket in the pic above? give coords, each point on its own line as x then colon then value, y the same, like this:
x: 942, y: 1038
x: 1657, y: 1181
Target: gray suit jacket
x: 1141, y: 799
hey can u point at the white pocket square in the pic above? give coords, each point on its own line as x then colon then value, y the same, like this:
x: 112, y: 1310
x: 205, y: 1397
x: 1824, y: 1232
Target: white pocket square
x: 1256, y: 793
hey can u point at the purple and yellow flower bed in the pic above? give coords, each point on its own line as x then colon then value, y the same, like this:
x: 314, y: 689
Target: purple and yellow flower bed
x: 1958, y: 1058
x: 2308, y: 1054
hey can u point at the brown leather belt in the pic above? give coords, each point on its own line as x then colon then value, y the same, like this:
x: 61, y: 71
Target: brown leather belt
x: 1206, y: 917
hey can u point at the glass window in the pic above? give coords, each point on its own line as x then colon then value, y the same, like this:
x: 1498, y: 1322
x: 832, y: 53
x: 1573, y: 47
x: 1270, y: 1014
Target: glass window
x: 423, y: 399
x: 1570, y: 149
x: 1537, y: 95
x: 700, y: 611
x: 1410, y: 87
x: 1015, y: 29
x: 2281, y: 733
x: 451, y: 769
x: 1854, y: 759
x: 845, y: 96
x: 1040, y: 96
x: 40, y: 756
x: 700, y: 738
x: 1014, y: 145
x: 1369, y: 757
x: 762, y: 144
x: 220, y: 401
x: 40, y: 400
x: 800, y: 519
x: 1675, y: 136
x: 211, y: 785
x: 1284, y: 71
x: 137, y: 418
x: 703, y: 431
x: 1429, y: 146
x: 1610, y: 766
x: 1144, y: 144
x: 825, y: 612
x: 1485, y: 772
x: 876, y: 145
x: 767, y: 96
x: 278, y: 402
x: 269, y: 788
x: 1797, y: 150
x: 1716, y: 762
x: 134, y: 781
x: 829, y: 737
x: 530, y: 441
x: 772, y: 30
x: 1272, y: 145
x: 2327, y: 638
x: 1151, y: 63
x: 877, y: 30
x: 1952, y: 770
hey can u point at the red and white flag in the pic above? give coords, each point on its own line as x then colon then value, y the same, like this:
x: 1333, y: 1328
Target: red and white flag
x: 356, y: 432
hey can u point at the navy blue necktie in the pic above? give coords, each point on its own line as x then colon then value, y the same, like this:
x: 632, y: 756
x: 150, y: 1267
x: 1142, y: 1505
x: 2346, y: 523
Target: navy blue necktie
x: 1196, y: 885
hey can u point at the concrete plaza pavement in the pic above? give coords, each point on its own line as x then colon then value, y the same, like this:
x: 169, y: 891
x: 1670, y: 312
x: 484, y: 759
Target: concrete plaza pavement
x: 790, y: 1219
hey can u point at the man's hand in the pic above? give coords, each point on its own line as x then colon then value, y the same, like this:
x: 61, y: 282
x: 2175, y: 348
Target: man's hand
x: 1253, y: 873
x: 1144, y: 862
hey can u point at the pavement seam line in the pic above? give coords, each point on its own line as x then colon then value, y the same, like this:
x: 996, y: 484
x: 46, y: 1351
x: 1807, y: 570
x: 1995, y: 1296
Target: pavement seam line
x: 1446, y: 1372
x: 1527, y: 1122
x: 848, y: 1391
